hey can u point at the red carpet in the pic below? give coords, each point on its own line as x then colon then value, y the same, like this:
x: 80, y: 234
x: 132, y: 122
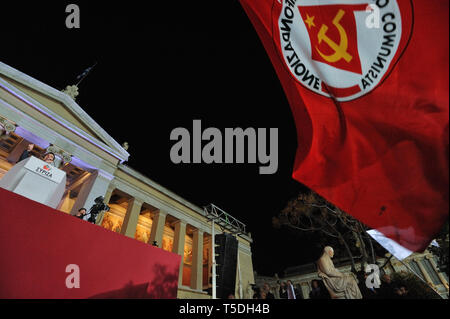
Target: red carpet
x: 37, y: 243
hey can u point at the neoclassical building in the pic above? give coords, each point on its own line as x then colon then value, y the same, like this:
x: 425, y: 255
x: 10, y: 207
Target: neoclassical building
x: 423, y: 265
x: 33, y: 112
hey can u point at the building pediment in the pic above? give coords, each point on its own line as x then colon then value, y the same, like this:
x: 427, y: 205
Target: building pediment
x: 60, y: 107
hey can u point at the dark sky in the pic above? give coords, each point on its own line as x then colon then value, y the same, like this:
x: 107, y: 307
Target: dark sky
x: 161, y: 66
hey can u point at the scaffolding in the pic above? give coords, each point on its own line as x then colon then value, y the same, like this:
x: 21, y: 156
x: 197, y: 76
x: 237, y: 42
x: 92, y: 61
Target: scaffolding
x: 228, y: 223
x: 224, y: 220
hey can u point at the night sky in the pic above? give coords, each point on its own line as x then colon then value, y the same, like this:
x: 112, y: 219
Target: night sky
x: 161, y: 66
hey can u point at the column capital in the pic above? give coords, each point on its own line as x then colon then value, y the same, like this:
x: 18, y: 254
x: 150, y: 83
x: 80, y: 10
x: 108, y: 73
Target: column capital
x: 179, y: 221
x: 136, y: 201
x: 198, y: 231
x: 160, y: 212
x: 7, y: 124
x: 105, y: 174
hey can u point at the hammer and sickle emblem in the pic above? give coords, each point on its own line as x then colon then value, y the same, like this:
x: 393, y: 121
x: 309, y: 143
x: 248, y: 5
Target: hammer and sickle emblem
x: 340, y: 50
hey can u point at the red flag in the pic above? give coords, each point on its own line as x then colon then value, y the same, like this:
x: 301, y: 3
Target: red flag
x: 368, y: 90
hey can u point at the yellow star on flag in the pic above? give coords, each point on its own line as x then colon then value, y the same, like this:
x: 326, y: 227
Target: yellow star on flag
x: 310, y: 21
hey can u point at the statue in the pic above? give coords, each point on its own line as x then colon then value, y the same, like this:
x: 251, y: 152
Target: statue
x: 336, y: 282
x: 6, y: 127
x: 250, y: 291
x: 72, y: 91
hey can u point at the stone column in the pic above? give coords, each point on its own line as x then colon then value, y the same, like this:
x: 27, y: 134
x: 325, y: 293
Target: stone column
x: 96, y: 185
x: 157, y: 232
x: 63, y: 199
x: 305, y: 290
x: 131, y: 217
x: 441, y: 277
x: 197, y: 260
x: 424, y: 272
x: 397, y: 266
x: 178, y: 246
x: 109, y: 192
x: 276, y: 292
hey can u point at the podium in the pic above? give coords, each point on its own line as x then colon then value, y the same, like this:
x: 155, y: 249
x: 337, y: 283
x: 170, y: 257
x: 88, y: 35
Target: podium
x: 36, y: 180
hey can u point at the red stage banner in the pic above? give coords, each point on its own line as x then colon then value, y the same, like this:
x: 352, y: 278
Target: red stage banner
x: 368, y: 86
x: 45, y: 254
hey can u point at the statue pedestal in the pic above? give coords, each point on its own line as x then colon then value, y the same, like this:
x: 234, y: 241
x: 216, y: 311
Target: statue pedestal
x: 36, y: 180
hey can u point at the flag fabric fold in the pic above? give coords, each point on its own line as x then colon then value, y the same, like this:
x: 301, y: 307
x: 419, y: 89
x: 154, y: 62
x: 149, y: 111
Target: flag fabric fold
x: 370, y: 104
x: 391, y: 246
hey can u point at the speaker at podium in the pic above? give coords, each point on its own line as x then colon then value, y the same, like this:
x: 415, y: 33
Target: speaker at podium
x: 36, y: 180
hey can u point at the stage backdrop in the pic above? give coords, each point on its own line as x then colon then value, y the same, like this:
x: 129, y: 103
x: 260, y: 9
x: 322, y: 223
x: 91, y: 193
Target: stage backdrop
x: 42, y: 249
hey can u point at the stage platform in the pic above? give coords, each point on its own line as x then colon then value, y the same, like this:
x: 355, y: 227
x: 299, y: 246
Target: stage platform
x: 46, y: 254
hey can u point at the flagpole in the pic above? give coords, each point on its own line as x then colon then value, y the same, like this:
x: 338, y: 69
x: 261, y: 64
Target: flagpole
x: 213, y: 253
x: 83, y: 77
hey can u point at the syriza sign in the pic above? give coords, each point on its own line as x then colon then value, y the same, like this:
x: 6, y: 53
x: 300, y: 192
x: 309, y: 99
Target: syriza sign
x: 328, y: 47
x: 45, y: 170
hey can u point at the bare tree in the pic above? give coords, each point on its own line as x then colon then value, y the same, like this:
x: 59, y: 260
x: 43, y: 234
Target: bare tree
x: 311, y: 213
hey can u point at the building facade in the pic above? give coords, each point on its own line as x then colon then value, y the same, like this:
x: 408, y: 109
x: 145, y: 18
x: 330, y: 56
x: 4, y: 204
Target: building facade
x: 33, y: 112
x: 423, y: 265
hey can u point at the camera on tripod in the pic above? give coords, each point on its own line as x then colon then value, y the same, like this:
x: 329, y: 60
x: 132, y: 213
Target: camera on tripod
x: 97, y: 208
